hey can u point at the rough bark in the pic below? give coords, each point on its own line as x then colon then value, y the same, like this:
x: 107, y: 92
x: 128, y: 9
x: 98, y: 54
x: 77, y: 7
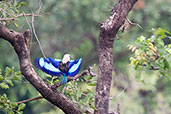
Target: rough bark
x: 20, y: 42
x: 108, y: 31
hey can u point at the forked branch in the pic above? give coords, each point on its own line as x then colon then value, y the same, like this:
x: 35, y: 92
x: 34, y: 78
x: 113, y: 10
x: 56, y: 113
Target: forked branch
x: 20, y: 43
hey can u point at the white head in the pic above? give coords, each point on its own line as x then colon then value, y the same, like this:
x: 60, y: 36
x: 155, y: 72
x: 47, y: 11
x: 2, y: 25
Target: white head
x: 66, y: 58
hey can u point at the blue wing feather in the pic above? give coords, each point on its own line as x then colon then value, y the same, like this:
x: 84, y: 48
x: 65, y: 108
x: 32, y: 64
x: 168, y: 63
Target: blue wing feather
x: 46, y: 66
x: 50, y: 66
x: 55, y: 62
x: 74, y: 67
x: 72, y: 62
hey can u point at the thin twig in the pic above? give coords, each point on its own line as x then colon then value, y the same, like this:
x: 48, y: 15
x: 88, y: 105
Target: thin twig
x: 40, y: 7
x: 115, y: 96
x: 37, y: 12
x: 20, y: 15
x: 63, y: 90
x: 32, y: 99
x: 136, y: 24
x: 85, y: 72
x: 34, y: 32
x: 31, y: 39
x: 123, y: 28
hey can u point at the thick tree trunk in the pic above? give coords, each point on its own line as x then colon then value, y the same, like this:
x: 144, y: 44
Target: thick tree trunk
x: 108, y: 31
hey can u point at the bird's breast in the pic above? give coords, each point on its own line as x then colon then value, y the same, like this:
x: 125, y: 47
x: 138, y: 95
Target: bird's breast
x: 63, y: 67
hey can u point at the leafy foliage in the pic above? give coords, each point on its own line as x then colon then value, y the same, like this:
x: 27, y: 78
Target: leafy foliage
x: 11, y: 107
x: 10, y: 9
x: 64, y: 27
x: 79, y: 93
x: 9, y: 76
x: 152, y: 53
x: 83, y: 94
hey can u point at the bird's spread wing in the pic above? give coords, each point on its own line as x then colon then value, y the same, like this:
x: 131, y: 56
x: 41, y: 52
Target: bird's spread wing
x: 74, y: 67
x: 55, y: 62
x: 46, y: 66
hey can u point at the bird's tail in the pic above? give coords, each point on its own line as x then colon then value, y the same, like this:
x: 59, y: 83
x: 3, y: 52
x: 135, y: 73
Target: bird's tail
x: 64, y: 79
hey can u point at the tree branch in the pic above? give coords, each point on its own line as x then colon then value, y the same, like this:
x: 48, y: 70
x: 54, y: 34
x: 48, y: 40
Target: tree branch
x: 20, y: 43
x: 108, y: 31
x: 32, y: 99
x: 23, y: 14
x: 83, y: 73
x: 131, y: 23
x: 15, y: 17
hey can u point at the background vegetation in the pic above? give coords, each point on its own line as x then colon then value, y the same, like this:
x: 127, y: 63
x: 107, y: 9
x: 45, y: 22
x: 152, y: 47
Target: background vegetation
x: 72, y: 27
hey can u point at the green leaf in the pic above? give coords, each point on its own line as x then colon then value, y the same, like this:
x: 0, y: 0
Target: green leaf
x: 161, y: 32
x: 48, y: 81
x: 166, y: 64
x: 141, y: 39
x: 16, y: 25
x: 136, y: 66
x: 88, y: 90
x: 10, y: 82
x: 7, y: 71
x: 17, y: 78
x: 18, y: 73
x: 20, y: 112
x: 21, y: 106
x: 79, y: 106
x: 4, y: 86
x: 93, y: 107
x: 4, y: 23
x: 169, y: 45
x: 55, y: 81
x: 23, y: 4
x: 68, y: 92
x: 1, y: 78
x: 92, y: 84
x: 11, y: 112
x: 14, y: 104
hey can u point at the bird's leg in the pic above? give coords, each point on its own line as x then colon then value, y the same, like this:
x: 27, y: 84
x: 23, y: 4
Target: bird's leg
x: 64, y: 79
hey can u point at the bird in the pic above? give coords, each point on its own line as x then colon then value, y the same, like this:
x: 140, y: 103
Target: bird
x: 57, y: 67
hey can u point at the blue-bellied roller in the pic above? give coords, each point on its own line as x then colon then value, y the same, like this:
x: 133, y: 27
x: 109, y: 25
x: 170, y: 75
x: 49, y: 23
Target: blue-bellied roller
x: 57, y: 67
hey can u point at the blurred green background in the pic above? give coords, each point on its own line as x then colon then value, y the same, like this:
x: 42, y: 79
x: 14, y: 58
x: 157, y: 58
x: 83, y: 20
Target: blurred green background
x: 71, y: 26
